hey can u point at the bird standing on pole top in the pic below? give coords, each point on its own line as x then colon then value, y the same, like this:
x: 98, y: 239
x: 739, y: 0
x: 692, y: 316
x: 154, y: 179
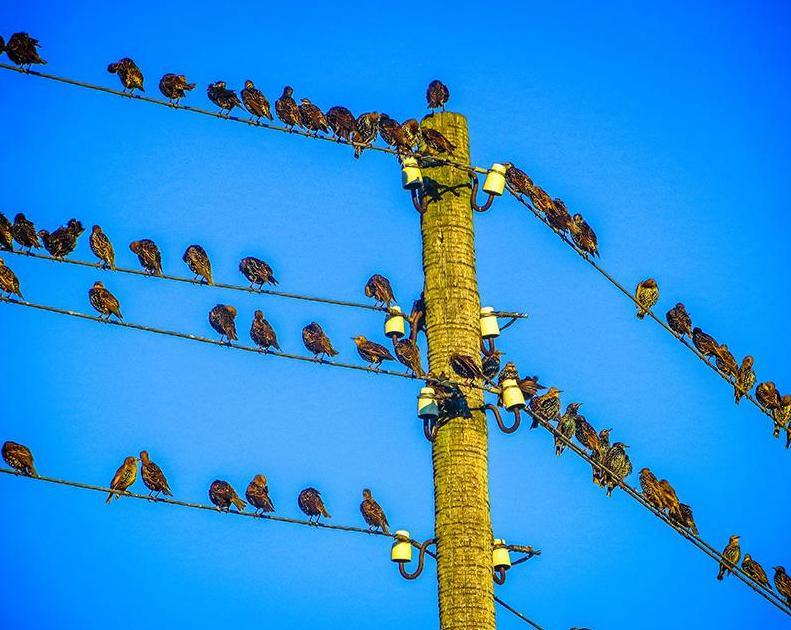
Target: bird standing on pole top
x: 437, y: 94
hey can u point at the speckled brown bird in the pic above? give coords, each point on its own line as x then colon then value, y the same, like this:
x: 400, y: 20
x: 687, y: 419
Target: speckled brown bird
x: 105, y: 303
x: 128, y: 73
x: 389, y: 130
x: 583, y: 235
x: 341, y: 122
x: 153, y: 477
x: 257, y: 495
x: 223, y: 97
x: 558, y: 216
x: 222, y: 494
x: 19, y: 457
x: 437, y: 94
x: 651, y: 489
x: 102, y: 248
x: 223, y: 319
x: 148, y: 255
x: 59, y: 243
x: 745, y: 378
x: 599, y: 453
x: 686, y: 518
x: 766, y: 393
x: 435, y: 141
x: 669, y: 499
x: 726, y: 363
x: 466, y: 366
x: 517, y: 179
x: 417, y: 318
x: 9, y: 283
x: 731, y: 555
x: 24, y: 232
x: 410, y: 135
x: 704, y: 342
x: 311, y: 117
x: 567, y: 426
x: 6, y: 237
x: 545, y: 407
x: 22, y: 50
x: 755, y: 571
x: 262, y: 333
x: 408, y: 353
x: 256, y: 271
x: 174, y: 87
x: 123, y: 479
x: 286, y: 108
x: 647, y: 295
x: 311, y: 503
x: 372, y: 352
x: 619, y: 464
x: 378, y: 287
x: 679, y: 320
x: 373, y: 513
x: 490, y: 364
x: 255, y: 102
x: 541, y: 199
x: 783, y: 583
x: 198, y: 262
x: 781, y: 416
x: 586, y: 435
x: 365, y: 132
x: 317, y: 342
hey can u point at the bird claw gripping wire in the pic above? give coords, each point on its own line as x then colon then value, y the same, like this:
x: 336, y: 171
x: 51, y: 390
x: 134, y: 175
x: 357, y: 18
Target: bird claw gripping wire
x: 420, y: 560
x: 499, y: 419
x: 473, y: 203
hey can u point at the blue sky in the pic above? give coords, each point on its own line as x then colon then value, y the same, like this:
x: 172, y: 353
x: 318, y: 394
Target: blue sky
x: 667, y: 127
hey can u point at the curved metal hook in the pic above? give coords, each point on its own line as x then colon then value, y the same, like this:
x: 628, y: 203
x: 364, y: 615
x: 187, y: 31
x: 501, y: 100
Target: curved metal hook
x: 474, y: 204
x: 496, y: 412
x: 430, y: 429
x: 419, y: 200
x: 487, y: 346
x: 420, y: 559
x: 498, y: 574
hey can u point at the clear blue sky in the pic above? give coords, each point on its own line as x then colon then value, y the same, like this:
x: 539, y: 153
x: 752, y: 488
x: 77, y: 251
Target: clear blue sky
x: 668, y: 127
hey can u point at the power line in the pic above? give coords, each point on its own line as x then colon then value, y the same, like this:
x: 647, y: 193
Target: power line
x: 237, y: 346
x: 514, y: 611
x: 629, y: 295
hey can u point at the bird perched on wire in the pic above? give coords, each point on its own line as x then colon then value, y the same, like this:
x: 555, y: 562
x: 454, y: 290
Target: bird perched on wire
x: 437, y: 94
x: 651, y: 489
x: 103, y: 301
x: 389, y: 130
x: 583, y: 235
x: 257, y: 495
x: 148, y: 254
x: 755, y: 571
x: 598, y: 454
x: 670, y: 500
x: 153, y: 477
x: 435, y: 141
x: 366, y: 129
x: 730, y: 557
x: 317, y: 342
x: 745, y: 378
x: 102, y: 248
x: 517, y: 179
x: 255, y: 102
x: 679, y: 320
x: 781, y: 416
x: 311, y: 503
x: 256, y: 271
x: 174, y: 87
x: 6, y: 237
x: 766, y: 393
x: 647, y: 295
x: 128, y: 73
x: 686, y: 518
x: 311, y: 117
x: 558, y: 216
x: 22, y: 50
x: 586, y: 435
x: 222, y: 494
x: 198, y: 261
x: 9, y: 283
x: 783, y: 583
x: 619, y: 465
x: 24, y: 232
x: 19, y: 457
x: 567, y: 426
x: 466, y: 366
x: 223, y: 319
x: 286, y: 108
x: 408, y: 353
x: 62, y: 241
x: 704, y: 342
x: 528, y: 385
x: 541, y: 199
x: 123, y: 479
x: 223, y: 97
x: 373, y: 513
x: 726, y: 363
x: 545, y: 407
x: 341, y: 122
x: 262, y: 333
x: 490, y: 364
x: 378, y: 287
x: 371, y: 351
x: 410, y: 135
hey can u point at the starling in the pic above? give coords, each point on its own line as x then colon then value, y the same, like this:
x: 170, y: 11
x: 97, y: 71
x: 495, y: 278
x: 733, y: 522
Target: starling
x: 62, y: 241
x: 652, y: 491
x: 726, y: 363
x: 371, y: 351
x: 6, y: 237
x: 705, y: 343
x: 541, y: 200
x: 783, y: 583
x: 583, y: 236
x: 222, y: 494
x: 529, y: 385
x: 490, y: 364
x: 558, y: 216
x: 647, y: 295
x: 128, y: 73
x: 148, y: 255
x: 174, y: 87
x: 466, y: 366
x: 342, y: 122
x: 256, y: 271
x: 679, y: 320
x: 545, y: 407
x: 311, y: 117
x: 567, y: 426
x: 9, y: 283
x: 410, y: 135
x: 670, y: 499
x: 730, y: 556
x: 198, y: 261
x: 222, y: 97
x: 21, y: 49
x: 755, y: 571
x: 255, y: 102
x: 286, y: 108
x: 257, y: 495
x: 124, y: 477
x: 25, y: 232
x: 602, y: 447
x: 435, y: 141
x: 517, y: 179
x: 586, y: 435
x: 745, y: 379
x: 686, y: 518
x: 417, y: 318
x: 390, y: 130
x: 104, y: 301
x: 617, y: 462
x: 310, y: 503
x: 101, y: 247
x: 766, y: 393
x: 781, y: 416
x: 316, y: 341
x: 19, y: 457
x: 437, y: 94
x: 222, y: 318
x: 373, y: 513
x: 408, y: 353
x: 262, y: 333
x: 366, y: 129
x: 153, y: 477
x: 378, y: 287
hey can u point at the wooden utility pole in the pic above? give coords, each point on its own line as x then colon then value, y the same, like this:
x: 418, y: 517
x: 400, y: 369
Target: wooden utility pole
x: 461, y: 476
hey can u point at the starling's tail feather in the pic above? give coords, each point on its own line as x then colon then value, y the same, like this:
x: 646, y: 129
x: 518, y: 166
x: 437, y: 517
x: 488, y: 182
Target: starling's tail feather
x: 640, y: 314
x: 31, y: 470
x: 240, y: 505
x: 325, y: 513
x: 721, y: 574
x: 385, y: 529
x: 110, y: 497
